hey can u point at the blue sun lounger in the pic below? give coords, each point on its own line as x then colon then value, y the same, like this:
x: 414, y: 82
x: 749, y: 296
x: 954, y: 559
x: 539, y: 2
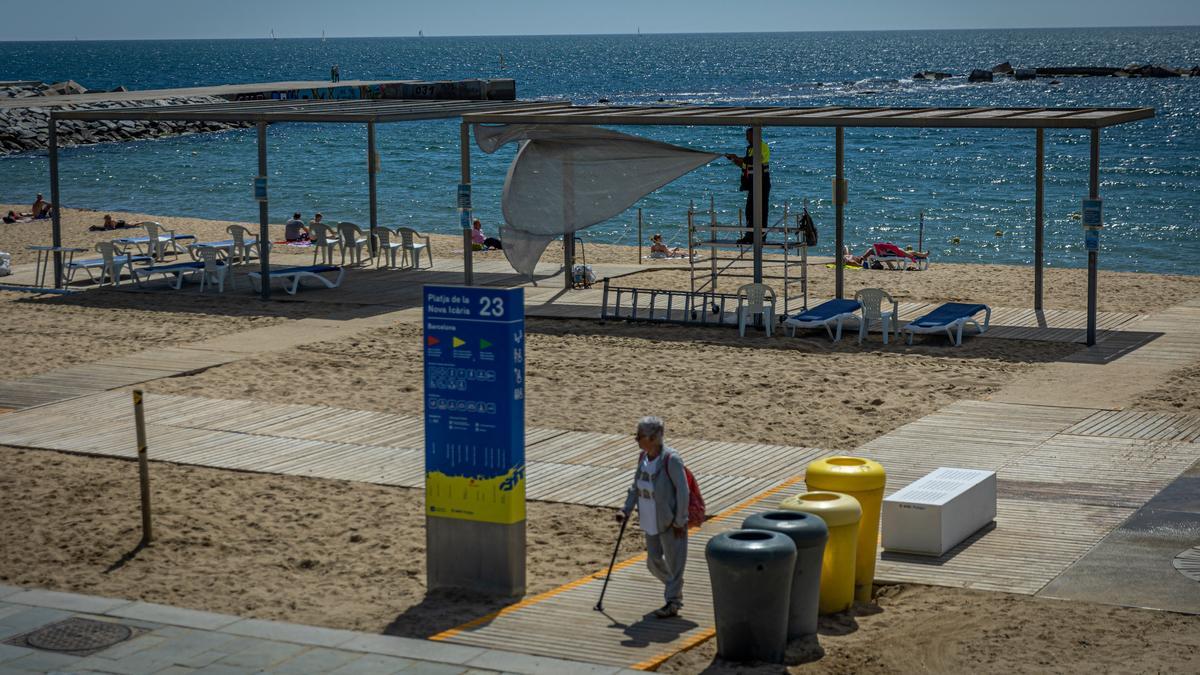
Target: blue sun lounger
x: 825, y: 314
x: 950, y: 317
x: 296, y: 274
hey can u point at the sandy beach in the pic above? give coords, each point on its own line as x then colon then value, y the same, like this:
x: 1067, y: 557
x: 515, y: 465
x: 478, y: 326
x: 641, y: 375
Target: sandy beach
x: 258, y: 545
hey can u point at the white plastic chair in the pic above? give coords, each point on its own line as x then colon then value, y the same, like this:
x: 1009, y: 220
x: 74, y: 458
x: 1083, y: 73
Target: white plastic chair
x: 755, y: 297
x: 412, y: 250
x: 387, y: 247
x: 160, y: 239
x: 352, y: 237
x: 243, y: 243
x: 324, y: 238
x: 872, y: 300
x: 215, y: 270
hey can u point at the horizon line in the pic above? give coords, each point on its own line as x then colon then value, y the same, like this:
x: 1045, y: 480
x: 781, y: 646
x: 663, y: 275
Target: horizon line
x: 605, y: 34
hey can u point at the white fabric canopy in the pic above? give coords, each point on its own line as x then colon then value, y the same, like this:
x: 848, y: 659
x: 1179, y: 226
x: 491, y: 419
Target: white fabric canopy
x: 566, y: 178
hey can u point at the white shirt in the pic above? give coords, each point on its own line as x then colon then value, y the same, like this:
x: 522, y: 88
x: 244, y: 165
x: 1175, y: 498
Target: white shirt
x: 647, y: 511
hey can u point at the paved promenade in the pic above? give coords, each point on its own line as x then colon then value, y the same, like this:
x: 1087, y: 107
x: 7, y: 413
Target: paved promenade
x: 171, y: 640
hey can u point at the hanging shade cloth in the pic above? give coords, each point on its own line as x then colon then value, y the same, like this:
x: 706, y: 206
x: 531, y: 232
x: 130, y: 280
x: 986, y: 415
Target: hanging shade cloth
x: 566, y: 178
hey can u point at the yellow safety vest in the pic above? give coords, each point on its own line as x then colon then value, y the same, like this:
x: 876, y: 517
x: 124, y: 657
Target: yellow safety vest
x: 766, y: 155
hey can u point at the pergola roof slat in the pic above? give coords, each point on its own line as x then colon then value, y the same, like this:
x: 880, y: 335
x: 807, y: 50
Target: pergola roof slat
x: 310, y: 110
x: 829, y: 116
x: 562, y: 112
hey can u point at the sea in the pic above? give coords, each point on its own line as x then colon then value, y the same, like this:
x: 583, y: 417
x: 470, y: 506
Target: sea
x: 973, y: 190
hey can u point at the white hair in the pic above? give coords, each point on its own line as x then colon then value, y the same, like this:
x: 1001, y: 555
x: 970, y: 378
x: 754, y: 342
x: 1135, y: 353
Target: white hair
x: 651, y: 427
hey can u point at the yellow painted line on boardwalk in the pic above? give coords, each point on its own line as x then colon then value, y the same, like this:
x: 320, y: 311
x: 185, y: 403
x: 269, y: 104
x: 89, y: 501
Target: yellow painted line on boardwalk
x: 648, y: 664
x: 449, y: 633
x: 654, y: 662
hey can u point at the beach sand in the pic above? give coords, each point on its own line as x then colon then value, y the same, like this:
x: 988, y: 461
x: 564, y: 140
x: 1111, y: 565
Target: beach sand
x: 350, y: 555
x: 926, y: 629
x: 706, y: 382
x: 325, y: 553
x: 44, y: 333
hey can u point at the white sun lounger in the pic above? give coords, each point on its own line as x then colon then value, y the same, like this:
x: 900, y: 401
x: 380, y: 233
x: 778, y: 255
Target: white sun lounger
x: 950, y: 318
x: 296, y: 274
x: 209, y: 269
x: 825, y: 315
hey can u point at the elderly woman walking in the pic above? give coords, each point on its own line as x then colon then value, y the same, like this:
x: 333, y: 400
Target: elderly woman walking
x: 660, y: 492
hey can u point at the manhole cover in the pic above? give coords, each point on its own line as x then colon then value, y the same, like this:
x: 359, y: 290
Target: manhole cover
x: 1188, y: 563
x: 76, y: 635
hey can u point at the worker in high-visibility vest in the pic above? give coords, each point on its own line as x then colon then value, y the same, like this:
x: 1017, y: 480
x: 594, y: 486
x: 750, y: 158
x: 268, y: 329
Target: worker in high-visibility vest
x: 747, y: 185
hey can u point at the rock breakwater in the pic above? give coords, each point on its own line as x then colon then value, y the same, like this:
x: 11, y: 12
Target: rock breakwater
x: 25, y: 128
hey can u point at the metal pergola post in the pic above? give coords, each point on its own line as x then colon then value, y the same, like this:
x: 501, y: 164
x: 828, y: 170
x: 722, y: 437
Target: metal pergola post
x: 264, y: 231
x: 569, y: 219
x: 372, y: 162
x: 1093, y: 256
x: 464, y: 140
x: 759, y: 207
x: 1039, y: 224
x: 55, y: 217
x: 839, y: 211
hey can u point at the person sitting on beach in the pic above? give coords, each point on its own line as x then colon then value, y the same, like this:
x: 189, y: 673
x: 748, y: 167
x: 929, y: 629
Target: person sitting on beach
x: 480, y: 242
x: 660, y: 250
x: 294, y: 229
x: 40, y: 208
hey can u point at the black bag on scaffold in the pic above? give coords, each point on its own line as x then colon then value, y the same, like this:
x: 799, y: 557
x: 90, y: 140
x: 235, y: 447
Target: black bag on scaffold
x: 809, y: 228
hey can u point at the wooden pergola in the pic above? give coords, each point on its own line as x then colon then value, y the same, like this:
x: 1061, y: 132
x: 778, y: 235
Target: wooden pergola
x: 267, y: 112
x: 1039, y: 119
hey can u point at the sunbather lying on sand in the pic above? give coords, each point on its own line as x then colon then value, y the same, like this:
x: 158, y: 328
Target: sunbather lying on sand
x: 660, y: 250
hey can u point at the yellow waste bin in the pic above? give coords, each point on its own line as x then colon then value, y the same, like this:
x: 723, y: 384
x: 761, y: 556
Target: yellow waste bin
x: 841, y: 514
x: 863, y: 480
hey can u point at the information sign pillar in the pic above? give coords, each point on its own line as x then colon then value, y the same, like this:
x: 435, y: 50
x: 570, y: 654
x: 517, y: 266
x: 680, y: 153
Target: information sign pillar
x: 474, y: 343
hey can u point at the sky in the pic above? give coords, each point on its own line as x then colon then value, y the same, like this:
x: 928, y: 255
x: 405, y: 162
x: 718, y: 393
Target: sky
x: 175, y: 19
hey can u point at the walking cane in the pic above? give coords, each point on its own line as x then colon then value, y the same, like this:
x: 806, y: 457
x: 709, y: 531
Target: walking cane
x: 600, y: 603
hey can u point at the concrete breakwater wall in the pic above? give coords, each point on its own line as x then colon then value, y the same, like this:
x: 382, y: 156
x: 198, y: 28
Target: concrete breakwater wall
x: 25, y: 106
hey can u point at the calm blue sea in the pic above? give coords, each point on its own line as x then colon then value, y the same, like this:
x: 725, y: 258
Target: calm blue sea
x: 970, y: 184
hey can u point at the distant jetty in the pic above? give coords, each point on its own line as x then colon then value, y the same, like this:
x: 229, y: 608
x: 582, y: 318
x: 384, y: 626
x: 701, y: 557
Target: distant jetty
x: 1007, y: 70
x: 25, y: 105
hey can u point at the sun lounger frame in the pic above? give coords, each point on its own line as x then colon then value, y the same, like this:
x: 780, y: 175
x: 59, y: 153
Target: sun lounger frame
x: 297, y: 274
x: 953, y: 328
x: 792, y: 323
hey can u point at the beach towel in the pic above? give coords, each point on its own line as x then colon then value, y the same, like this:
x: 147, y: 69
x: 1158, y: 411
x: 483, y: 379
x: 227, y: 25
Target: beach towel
x: 569, y: 177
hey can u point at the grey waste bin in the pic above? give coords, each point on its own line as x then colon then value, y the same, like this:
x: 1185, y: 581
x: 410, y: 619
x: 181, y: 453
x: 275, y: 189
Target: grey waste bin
x: 809, y: 534
x: 751, y: 576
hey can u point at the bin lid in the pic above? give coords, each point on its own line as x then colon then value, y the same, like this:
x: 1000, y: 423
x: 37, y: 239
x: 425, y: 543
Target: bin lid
x: 835, y: 508
x: 845, y: 474
x: 750, y: 546
x: 807, y: 530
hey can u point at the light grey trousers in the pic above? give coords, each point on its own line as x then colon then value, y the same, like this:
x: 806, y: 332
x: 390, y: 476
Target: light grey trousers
x: 667, y: 557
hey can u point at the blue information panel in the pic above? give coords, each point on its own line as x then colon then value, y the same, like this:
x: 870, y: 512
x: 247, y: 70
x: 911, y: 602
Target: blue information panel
x: 1091, y: 239
x: 1093, y: 213
x: 260, y: 188
x: 475, y: 403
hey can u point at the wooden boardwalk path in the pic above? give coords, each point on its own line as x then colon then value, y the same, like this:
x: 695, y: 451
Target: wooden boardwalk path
x: 91, y: 378
x: 382, y: 448
x: 1065, y: 481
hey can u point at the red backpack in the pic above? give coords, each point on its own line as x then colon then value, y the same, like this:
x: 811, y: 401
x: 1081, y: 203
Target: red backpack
x: 696, y: 508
